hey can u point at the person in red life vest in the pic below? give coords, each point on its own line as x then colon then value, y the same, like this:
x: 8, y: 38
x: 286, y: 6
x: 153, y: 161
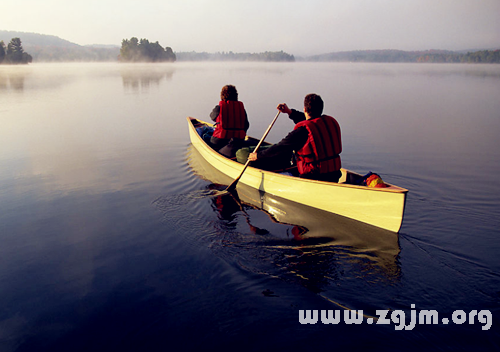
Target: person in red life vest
x: 231, y: 122
x: 316, y: 141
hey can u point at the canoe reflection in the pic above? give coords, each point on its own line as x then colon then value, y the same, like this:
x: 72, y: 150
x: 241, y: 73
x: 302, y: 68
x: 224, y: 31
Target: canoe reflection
x: 313, y: 235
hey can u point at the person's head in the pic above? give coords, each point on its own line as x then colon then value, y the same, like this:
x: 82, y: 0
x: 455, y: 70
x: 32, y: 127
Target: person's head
x: 229, y: 92
x: 313, y: 105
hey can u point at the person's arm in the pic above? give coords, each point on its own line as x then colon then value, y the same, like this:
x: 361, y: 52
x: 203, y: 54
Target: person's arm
x: 295, y: 140
x: 295, y: 115
x: 215, y: 112
x: 247, y: 124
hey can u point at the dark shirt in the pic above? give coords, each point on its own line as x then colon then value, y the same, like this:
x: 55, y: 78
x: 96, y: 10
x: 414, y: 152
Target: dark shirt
x: 294, y: 141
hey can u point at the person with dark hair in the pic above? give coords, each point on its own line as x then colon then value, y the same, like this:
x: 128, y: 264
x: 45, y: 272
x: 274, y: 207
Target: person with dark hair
x: 231, y: 122
x: 316, y: 141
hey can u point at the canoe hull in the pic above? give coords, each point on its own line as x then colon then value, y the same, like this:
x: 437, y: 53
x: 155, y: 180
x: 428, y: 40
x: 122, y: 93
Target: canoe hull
x: 381, y: 207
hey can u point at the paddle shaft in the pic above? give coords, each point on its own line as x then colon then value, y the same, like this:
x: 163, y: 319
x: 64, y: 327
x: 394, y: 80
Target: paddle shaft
x: 232, y: 186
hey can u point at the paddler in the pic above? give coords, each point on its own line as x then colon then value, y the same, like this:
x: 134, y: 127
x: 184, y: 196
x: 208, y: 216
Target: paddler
x: 231, y: 122
x: 316, y: 141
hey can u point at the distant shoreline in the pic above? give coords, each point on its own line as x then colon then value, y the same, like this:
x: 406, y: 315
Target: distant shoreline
x: 48, y: 48
x: 92, y: 54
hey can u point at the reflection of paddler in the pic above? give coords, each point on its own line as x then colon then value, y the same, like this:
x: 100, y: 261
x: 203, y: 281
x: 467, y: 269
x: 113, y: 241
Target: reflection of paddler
x: 298, y: 232
x: 228, y: 206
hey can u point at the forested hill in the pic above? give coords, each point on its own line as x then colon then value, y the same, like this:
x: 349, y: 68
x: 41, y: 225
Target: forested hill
x: 439, y: 56
x: 49, y: 48
x: 35, y: 39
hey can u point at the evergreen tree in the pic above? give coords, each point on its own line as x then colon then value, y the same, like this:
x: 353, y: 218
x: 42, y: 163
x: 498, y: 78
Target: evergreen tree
x: 2, y: 51
x: 15, y: 53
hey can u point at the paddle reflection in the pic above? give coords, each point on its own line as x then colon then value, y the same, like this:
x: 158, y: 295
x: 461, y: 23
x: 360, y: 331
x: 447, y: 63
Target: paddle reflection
x: 228, y: 207
x: 309, y: 243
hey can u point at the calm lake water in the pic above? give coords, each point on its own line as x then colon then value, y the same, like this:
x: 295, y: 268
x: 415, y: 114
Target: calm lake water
x: 106, y: 245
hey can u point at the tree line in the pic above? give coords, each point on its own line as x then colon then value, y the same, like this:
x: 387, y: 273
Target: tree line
x: 483, y: 56
x: 75, y: 54
x: 277, y: 56
x: 14, y: 53
x: 134, y: 50
x: 431, y: 56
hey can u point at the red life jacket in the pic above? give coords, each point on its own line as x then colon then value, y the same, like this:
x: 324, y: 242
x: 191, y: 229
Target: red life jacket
x: 321, y: 152
x: 231, y: 120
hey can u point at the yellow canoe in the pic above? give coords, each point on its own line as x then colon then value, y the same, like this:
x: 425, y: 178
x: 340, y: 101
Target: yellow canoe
x: 380, y: 207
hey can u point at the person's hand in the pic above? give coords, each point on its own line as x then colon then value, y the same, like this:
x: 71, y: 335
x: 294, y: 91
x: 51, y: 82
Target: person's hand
x: 284, y: 108
x: 252, y: 156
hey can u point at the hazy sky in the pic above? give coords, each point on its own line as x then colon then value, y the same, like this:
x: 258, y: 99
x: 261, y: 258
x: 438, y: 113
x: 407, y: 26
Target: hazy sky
x: 296, y: 26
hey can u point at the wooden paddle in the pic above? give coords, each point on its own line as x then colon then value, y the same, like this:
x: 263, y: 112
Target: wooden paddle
x: 232, y: 186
